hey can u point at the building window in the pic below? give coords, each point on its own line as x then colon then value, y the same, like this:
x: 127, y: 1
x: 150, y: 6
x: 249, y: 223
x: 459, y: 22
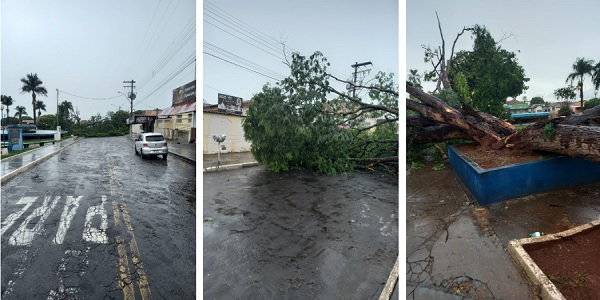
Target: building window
x: 190, y: 118
x: 179, y: 118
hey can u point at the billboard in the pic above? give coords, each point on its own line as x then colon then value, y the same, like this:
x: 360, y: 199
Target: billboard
x: 185, y: 93
x: 230, y: 104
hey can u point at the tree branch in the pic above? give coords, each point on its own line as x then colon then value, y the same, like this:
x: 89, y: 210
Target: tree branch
x: 367, y: 105
x: 372, y: 87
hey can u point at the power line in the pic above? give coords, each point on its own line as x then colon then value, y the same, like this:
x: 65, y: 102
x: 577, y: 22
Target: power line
x: 167, y: 58
x: 232, y: 18
x: 181, y: 40
x: 143, y: 39
x: 242, y: 66
x: 242, y: 25
x: 242, y: 60
x: 266, y: 51
x: 186, y: 64
x: 227, y: 23
x: 87, y: 97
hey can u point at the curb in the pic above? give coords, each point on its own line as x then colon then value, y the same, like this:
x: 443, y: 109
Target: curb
x: 388, y: 289
x: 186, y: 159
x: 34, y: 163
x: 541, y: 282
x: 230, y: 167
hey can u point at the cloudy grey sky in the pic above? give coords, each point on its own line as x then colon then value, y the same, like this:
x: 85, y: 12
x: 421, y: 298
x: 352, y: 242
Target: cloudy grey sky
x: 247, y: 33
x: 549, y: 34
x: 86, y: 49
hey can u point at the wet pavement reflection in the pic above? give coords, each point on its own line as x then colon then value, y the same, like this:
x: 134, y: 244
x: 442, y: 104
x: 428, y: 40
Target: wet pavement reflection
x: 298, y: 235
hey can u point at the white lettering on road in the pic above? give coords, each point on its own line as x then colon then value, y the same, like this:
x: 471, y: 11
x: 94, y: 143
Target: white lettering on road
x: 14, y: 216
x: 68, y: 213
x: 92, y: 234
x: 23, y: 235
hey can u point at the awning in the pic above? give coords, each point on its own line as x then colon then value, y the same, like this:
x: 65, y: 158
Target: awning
x: 178, y: 109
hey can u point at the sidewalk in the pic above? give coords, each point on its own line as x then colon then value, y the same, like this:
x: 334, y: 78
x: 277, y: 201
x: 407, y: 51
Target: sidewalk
x: 21, y: 162
x: 186, y: 151
x: 228, y: 161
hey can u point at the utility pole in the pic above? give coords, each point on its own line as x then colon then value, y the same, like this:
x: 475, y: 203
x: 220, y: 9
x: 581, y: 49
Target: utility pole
x: 131, y: 97
x: 355, y: 66
x: 57, y: 109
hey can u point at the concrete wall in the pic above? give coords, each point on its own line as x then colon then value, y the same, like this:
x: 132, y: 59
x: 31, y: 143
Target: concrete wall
x: 230, y: 125
x: 494, y: 185
x: 177, y: 127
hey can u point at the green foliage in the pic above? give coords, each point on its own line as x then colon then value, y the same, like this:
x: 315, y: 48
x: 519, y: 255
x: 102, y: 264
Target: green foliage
x: 565, y: 110
x: 47, y: 122
x: 33, y: 84
x: 590, y: 103
x: 581, y: 68
x: 506, y: 116
x: 295, y: 126
x: 417, y: 165
x: 449, y: 96
x: 439, y: 167
x: 462, y: 88
x: 596, y: 76
x: 492, y: 73
x: 549, y: 131
x: 566, y: 93
x: 414, y: 78
x: 111, y: 125
x: 537, y: 100
x: 286, y: 135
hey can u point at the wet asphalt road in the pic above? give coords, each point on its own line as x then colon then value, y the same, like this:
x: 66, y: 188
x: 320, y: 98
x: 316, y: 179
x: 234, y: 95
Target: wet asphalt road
x: 298, y: 235
x: 97, y: 222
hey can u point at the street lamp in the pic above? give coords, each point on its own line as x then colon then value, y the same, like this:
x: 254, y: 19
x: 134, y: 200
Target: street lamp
x: 219, y: 139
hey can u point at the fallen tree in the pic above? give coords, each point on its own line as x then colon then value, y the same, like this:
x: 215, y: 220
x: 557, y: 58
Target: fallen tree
x: 436, y: 121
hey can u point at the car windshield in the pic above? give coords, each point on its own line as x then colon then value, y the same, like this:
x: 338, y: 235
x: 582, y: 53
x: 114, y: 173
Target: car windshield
x: 154, y: 138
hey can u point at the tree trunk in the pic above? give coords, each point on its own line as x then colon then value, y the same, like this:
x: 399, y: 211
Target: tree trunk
x: 577, y: 135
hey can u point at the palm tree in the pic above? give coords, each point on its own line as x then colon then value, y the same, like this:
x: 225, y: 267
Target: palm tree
x: 596, y: 76
x: 21, y: 110
x: 8, y: 101
x: 32, y: 84
x: 581, y: 67
x: 39, y: 105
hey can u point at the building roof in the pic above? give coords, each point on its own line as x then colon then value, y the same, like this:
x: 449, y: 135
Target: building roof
x: 514, y: 101
x: 517, y: 106
x: 178, y: 109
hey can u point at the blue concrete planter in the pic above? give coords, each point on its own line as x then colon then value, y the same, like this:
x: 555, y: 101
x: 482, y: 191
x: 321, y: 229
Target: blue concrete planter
x: 497, y: 184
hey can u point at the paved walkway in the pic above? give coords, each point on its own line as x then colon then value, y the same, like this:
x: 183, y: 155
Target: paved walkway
x: 457, y: 248
x: 185, y: 151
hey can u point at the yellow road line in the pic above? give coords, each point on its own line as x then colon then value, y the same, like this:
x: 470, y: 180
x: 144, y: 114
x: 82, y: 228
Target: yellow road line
x: 135, y: 257
x: 116, y: 213
x: 125, y: 282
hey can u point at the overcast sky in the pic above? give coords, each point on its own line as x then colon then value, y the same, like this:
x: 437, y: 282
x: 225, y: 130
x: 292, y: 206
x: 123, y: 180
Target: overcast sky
x: 88, y: 48
x: 247, y: 33
x: 549, y: 34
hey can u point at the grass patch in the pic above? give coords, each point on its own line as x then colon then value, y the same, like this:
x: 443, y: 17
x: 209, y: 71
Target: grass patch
x: 520, y: 127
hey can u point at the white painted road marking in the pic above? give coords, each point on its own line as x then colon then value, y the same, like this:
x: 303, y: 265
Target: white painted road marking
x: 66, y: 217
x: 23, y: 235
x: 14, y: 216
x: 93, y: 234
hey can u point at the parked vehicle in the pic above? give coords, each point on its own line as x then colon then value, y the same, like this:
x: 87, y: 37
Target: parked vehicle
x: 151, y: 143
